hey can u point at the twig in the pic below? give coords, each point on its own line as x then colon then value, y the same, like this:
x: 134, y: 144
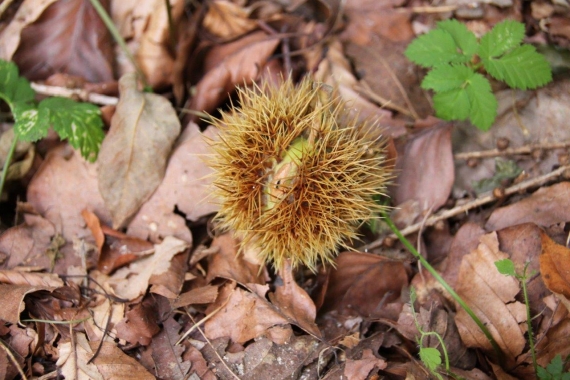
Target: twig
x: 528, y: 149
x: 13, y: 359
x: 201, y: 321
x: 75, y: 93
x: 485, y: 198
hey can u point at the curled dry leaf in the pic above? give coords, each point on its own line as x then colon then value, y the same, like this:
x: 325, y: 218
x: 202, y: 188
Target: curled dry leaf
x: 12, y: 300
x: 491, y: 295
x: 426, y: 156
x: 228, y: 20
x: 545, y: 207
x: 167, y: 355
x: 359, y: 369
x: 186, y: 186
x: 140, y: 323
x: 132, y: 281
x: 32, y: 279
x: 555, y: 266
x: 133, y: 156
x: 69, y: 37
x: 202, y: 295
x: 230, y: 65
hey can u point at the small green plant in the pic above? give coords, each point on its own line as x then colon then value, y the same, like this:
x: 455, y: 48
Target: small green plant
x: 430, y: 356
x: 554, y: 370
x: 455, y: 56
x: 79, y: 123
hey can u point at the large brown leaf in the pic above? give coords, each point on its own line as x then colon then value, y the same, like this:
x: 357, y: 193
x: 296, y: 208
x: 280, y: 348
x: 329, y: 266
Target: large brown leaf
x: 69, y: 37
x: 133, y: 156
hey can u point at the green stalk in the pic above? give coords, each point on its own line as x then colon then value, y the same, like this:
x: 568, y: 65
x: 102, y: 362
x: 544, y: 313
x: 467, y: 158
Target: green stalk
x: 118, y: 38
x: 8, y: 161
x: 445, y: 285
x: 528, y: 320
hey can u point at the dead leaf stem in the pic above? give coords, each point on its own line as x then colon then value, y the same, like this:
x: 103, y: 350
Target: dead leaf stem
x: 483, y: 199
x: 73, y: 93
x: 527, y: 149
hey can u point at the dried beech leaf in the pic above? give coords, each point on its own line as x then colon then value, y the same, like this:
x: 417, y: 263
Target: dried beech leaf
x: 167, y: 355
x: 28, y: 12
x: 69, y: 37
x: 133, y: 156
x: 233, y: 64
x: 491, y: 296
x: 358, y: 369
x: 12, y: 300
x: 186, y: 186
x: 73, y: 360
x: 32, y: 279
x: 132, y: 281
x: 228, y: 20
x: 427, y: 156
x: 555, y: 266
x: 113, y: 363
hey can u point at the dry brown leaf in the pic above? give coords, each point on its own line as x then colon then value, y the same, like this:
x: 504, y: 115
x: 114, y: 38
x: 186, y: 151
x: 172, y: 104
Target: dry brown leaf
x: 113, y: 363
x: 186, y: 186
x: 12, y: 300
x: 69, y: 37
x: 228, y: 20
x: 62, y: 188
x: 294, y: 303
x: 426, y: 156
x: 199, y: 365
x: 236, y: 63
x: 491, y: 296
x: 358, y: 369
x: 202, y: 295
x: 134, y: 154
x: 132, y: 281
x: 100, y: 317
x: 120, y: 249
x: 245, y: 316
x: 94, y: 225
x: 28, y: 12
x: 73, y: 358
x: 169, y: 284
x: 167, y: 355
x: 50, y: 280
x: 366, y: 284
x: 545, y: 207
x: 154, y: 52
x: 555, y: 266
x: 140, y: 323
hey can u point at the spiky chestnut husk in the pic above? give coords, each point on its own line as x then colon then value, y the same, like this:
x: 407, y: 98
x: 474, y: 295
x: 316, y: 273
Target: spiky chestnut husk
x: 294, y: 173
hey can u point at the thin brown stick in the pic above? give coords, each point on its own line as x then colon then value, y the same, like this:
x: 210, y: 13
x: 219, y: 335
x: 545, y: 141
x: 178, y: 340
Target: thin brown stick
x: 365, y: 89
x: 75, y: 93
x: 484, y: 199
x: 527, y: 149
x: 13, y: 359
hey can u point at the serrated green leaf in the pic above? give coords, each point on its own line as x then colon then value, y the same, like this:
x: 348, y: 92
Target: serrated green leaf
x: 79, y: 123
x: 463, y: 37
x: 452, y: 105
x: 521, y: 68
x: 504, y: 36
x: 447, y: 77
x: 29, y: 123
x: 555, y: 367
x: 13, y: 88
x: 483, y: 104
x: 434, y: 48
x: 431, y: 357
x: 506, y: 267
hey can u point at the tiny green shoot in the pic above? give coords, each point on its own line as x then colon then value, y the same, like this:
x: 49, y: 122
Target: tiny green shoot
x: 79, y: 123
x: 554, y: 370
x: 456, y: 59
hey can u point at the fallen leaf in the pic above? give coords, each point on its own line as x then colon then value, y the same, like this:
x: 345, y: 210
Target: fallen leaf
x: 426, y: 156
x: 120, y: 250
x: 113, y: 363
x: 229, y: 65
x: 202, y: 295
x: 74, y: 357
x: 134, y: 154
x: 104, y: 313
x: 12, y: 300
x: 545, y: 207
x: 293, y: 302
x: 28, y: 12
x: 358, y: 369
x: 555, y: 266
x: 167, y: 355
x: 140, y: 323
x: 69, y: 37
x: 244, y: 316
x: 48, y: 280
x: 132, y: 281
x: 65, y: 176
x: 199, y: 365
x: 491, y: 296
x: 366, y: 284
x: 186, y: 187
x: 228, y: 20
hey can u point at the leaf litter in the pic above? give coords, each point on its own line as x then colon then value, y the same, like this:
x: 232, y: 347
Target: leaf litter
x: 115, y: 270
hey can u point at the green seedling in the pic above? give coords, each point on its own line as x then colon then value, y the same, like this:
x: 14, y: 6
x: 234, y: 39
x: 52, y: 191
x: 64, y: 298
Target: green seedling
x: 554, y: 370
x: 79, y: 123
x: 456, y: 59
